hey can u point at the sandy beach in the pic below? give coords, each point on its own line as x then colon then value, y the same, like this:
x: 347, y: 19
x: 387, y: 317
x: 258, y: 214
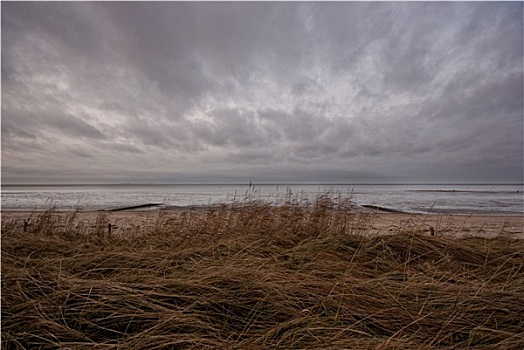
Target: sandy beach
x: 445, y: 225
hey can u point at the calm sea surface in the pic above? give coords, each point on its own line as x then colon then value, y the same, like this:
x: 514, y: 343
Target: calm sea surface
x: 466, y: 199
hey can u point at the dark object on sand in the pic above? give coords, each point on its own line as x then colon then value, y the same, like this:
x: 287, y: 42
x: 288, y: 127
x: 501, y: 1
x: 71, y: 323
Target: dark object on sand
x: 376, y: 207
x: 136, y: 207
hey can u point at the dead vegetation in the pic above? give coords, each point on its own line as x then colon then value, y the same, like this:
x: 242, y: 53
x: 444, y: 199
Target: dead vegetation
x: 255, y: 276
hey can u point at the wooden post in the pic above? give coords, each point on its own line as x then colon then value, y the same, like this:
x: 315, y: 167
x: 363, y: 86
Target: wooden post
x: 109, y: 228
x: 25, y: 225
x: 432, y: 230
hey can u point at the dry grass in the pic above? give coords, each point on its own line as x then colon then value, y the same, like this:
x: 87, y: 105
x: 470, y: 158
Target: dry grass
x: 254, y: 276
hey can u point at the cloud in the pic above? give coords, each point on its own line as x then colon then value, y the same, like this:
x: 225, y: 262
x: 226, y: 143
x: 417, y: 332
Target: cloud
x: 183, y: 91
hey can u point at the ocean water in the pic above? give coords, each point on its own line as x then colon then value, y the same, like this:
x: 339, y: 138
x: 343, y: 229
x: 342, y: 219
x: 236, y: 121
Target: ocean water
x: 462, y: 199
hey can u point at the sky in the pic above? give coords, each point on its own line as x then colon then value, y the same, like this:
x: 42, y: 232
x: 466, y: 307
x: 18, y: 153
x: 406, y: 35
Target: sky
x: 287, y: 92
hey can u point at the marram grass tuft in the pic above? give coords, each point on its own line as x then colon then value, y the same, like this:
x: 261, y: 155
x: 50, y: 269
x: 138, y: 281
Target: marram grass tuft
x: 256, y: 276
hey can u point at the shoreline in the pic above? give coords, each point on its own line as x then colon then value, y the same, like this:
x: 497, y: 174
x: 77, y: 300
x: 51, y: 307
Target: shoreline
x: 355, y: 208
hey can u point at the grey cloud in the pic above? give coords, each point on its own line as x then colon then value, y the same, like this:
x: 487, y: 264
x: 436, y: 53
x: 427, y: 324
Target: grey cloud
x: 38, y: 121
x: 296, y: 126
x: 282, y: 90
x: 82, y: 153
x: 72, y: 125
x: 149, y: 134
x: 126, y: 148
x: 230, y: 128
x: 157, y: 42
x: 482, y: 111
x: 50, y: 20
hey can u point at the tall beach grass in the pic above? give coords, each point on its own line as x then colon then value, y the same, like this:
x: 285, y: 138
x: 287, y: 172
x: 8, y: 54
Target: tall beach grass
x: 256, y: 276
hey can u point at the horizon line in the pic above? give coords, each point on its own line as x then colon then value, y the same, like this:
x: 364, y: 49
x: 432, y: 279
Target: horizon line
x: 251, y: 183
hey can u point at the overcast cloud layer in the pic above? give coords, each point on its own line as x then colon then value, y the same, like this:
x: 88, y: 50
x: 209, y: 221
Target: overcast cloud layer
x: 267, y: 92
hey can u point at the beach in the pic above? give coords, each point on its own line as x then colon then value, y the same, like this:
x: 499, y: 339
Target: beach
x: 369, y: 223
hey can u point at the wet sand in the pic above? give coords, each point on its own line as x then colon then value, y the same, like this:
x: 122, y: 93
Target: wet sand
x: 445, y: 225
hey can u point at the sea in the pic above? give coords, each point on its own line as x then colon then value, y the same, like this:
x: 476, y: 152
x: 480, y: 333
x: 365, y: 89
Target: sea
x: 507, y: 199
